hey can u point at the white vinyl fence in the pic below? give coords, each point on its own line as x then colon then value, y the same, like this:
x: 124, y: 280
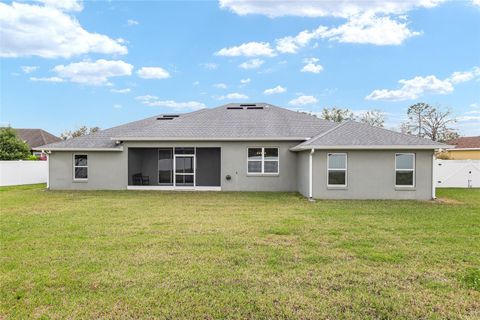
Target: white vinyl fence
x: 19, y: 172
x: 457, y: 173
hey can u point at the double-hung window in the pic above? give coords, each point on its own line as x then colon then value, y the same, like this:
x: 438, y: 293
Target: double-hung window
x: 80, y: 167
x: 337, y: 170
x: 263, y: 161
x: 405, y: 170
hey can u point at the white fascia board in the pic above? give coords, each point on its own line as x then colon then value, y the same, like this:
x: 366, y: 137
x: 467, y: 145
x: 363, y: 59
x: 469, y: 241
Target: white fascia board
x: 78, y: 149
x: 385, y: 147
x: 211, y: 139
x: 464, y: 149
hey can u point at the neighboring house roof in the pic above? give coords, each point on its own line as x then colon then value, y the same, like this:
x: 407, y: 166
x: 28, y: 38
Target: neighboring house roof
x: 36, y: 137
x: 242, y: 122
x: 466, y: 143
x: 356, y: 135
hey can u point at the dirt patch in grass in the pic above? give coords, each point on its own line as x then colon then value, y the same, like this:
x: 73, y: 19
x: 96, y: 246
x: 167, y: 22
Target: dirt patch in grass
x: 448, y: 201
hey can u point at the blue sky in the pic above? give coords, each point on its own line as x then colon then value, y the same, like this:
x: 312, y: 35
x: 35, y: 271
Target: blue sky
x: 70, y: 63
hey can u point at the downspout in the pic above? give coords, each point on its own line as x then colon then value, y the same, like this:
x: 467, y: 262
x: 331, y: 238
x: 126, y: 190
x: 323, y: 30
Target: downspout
x: 310, y: 174
x: 433, y: 176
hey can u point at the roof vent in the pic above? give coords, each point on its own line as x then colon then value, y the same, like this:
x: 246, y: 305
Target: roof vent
x: 234, y: 108
x: 255, y: 108
x: 171, y: 115
x: 248, y: 105
x: 165, y: 118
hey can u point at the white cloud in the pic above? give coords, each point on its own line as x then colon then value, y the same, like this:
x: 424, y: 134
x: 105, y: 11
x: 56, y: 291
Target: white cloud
x: 276, y: 90
x: 46, y: 79
x: 29, y: 69
x: 233, y: 96
x: 293, y: 44
x: 209, y: 65
x: 468, y: 118
x: 196, y: 83
x: 315, y: 8
x: 311, y: 66
x: 414, y: 88
x: 131, y: 22
x: 117, y: 106
x: 250, y: 49
x: 459, y: 77
x: 153, y: 73
x: 303, y: 100
x: 367, y: 28
x: 251, y: 64
x: 126, y: 90
x: 64, y: 5
x: 475, y: 105
x: 371, y: 29
x: 154, y: 101
x: 48, y: 32
x: 245, y: 81
x: 93, y: 73
x: 476, y: 2
x: 220, y: 85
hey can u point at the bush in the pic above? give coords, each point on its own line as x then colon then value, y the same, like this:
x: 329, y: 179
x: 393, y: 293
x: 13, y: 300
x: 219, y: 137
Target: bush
x: 11, y: 147
x: 32, y: 157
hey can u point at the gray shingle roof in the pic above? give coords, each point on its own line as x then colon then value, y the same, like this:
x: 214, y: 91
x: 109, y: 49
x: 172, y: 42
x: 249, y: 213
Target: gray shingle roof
x: 352, y: 134
x: 36, y: 137
x: 222, y: 123
x: 238, y: 122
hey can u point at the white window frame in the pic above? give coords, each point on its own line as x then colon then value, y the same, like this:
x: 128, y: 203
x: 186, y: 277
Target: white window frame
x: 336, y: 169
x: 75, y: 166
x: 412, y: 170
x: 263, y: 162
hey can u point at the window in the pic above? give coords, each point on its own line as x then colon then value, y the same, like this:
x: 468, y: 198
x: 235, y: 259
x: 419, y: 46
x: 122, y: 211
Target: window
x: 262, y: 161
x: 405, y: 169
x: 80, y: 167
x: 337, y: 169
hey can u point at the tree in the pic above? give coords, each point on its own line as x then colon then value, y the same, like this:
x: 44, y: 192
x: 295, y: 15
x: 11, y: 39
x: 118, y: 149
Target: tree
x: 427, y: 121
x: 436, y: 125
x: 416, y: 114
x: 374, y: 118
x: 82, y: 131
x: 11, y: 147
x: 337, y: 114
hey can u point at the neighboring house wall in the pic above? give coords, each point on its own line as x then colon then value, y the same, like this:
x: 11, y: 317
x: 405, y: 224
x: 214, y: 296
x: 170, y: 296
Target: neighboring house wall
x: 17, y: 172
x: 106, y: 170
x: 463, y: 154
x: 371, y: 175
x: 109, y: 170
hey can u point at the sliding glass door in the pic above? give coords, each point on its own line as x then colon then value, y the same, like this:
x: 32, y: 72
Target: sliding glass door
x: 184, y: 170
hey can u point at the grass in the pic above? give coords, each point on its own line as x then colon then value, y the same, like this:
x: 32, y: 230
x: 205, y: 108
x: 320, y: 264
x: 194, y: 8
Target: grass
x: 236, y: 255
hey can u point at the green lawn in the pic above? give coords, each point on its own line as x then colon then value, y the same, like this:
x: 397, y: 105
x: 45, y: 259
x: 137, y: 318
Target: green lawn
x: 236, y: 255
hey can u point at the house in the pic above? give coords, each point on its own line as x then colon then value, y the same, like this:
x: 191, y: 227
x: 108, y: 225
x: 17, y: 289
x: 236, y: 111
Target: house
x: 466, y: 148
x: 248, y: 147
x: 35, y: 138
